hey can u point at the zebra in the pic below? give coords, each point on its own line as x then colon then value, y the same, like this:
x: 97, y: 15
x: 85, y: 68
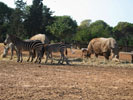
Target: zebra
x: 31, y: 46
x: 6, y: 49
x: 42, y: 37
x: 56, y: 47
x: 12, y: 47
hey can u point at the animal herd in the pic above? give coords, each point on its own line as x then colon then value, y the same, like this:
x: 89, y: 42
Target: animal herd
x: 39, y: 45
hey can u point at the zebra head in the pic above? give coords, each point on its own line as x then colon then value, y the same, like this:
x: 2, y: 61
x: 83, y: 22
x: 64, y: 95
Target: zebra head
x: 7, y: 40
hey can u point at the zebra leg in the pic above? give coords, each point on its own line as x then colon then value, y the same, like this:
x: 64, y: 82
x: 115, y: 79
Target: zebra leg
x: 12, y: 49
x: 60, y: 58
x: 41, y: 53
x: 51, y: 58
x: 37, y: 56
x: 36, y: 59
x: 11, y: 53
x: 18, y: 56
x: 21, y: 57
x: 33, y: 55
x: 30, y: 54
x: 28, y: 57
x: 47, y: 56
x: 40, y: 58
x: 66, y: 60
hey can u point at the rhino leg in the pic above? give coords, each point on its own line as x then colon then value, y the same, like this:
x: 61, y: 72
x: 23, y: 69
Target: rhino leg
x: 106, y: 55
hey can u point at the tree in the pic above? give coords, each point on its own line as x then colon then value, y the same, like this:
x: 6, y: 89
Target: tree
x: 18, y: 17
x: 47, y: 20
x: 33, y: 23
x: 63, y: 28
x: 123, y: 32
x: 83, y: 33
x: 100, y: 29
x: 5, y: 13
x: 20, y: 4
x: 86, y: 23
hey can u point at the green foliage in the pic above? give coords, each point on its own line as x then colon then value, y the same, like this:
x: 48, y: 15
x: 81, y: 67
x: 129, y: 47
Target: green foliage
x: 87, y: 30
x: 33, y: 23
x: 100, y: 29
x: 63, y: 28
x: 123, y: 32
x: 86, y: 23
x: 17, y: 19
x: 26, y: 21
x: 20, y: 4
x: 5, y: 13
x: 47, y: 20
x: 83, y: 33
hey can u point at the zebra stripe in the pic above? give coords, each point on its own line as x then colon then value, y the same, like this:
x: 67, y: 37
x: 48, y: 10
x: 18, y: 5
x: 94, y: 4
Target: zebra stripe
x: 56, y: 47
x: 31, y: 45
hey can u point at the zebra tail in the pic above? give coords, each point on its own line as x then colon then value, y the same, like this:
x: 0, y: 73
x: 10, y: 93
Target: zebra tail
x: 42, y: 51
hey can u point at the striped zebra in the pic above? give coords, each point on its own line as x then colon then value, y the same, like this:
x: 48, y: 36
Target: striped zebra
x: 21, y: 45
x: 56, y: 47
x: 42, y: 37
x: 13, y: 48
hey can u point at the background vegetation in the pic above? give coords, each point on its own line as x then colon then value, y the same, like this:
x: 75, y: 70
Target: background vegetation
x: 27, y: 20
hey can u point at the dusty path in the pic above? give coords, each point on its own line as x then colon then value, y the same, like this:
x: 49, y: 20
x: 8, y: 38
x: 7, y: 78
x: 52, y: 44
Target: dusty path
x: 28, y: 81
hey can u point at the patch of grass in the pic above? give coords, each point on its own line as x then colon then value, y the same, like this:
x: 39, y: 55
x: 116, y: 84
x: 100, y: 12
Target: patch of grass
x: 79, y: 61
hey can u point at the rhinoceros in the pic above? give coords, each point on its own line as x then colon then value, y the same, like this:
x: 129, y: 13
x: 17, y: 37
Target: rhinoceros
x: 104, y: 47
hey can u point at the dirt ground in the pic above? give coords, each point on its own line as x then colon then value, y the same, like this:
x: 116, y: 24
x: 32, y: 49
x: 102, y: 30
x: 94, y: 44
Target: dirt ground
x: 81, y: 80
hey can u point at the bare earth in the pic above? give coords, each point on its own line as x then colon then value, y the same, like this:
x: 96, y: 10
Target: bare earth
x: 89, y: 80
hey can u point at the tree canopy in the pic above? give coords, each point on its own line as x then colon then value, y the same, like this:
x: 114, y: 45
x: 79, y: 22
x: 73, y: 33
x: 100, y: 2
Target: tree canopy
x: 5, y: 13
x: 27, y: 20
x: 123, y: 32
x: 63, y: 28
x: 35, y: 17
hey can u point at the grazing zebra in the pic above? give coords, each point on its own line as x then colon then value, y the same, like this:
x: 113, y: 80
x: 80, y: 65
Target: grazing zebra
x: 42, y: 37
x: 12, y: 47
x: 31, y: 46
x: 6, y: 49
x: 56, y: 47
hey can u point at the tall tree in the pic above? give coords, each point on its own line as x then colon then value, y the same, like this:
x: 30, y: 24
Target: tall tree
x: 18, y: 17
x: 83, y: 33
x: 5, y: 13
x: 100, y: 29
x: 63, y: 28
x: 123, y: 32
x: 35, y: 18
x: 20, y: 4
x: 47, y: 20
x: 86, y: 23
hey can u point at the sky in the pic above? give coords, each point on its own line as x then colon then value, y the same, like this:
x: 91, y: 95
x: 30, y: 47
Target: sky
x: 110, y: 11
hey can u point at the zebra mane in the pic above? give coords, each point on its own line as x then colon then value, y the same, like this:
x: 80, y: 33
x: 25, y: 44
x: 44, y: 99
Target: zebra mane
x: 14, y: 38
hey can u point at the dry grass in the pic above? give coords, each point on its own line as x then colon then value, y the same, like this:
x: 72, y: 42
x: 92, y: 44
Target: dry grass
x: 75, y: 59
x: 93, y: 79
